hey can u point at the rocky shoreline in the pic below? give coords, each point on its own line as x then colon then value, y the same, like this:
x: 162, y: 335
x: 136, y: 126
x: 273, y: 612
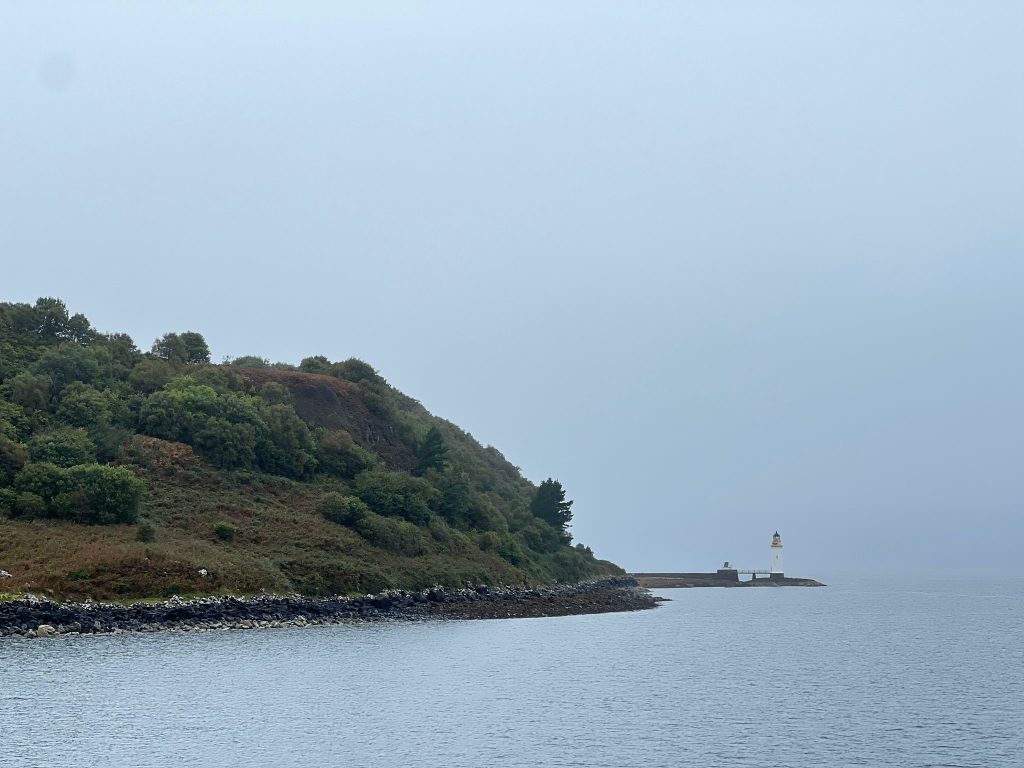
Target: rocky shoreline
x: 32, y: 617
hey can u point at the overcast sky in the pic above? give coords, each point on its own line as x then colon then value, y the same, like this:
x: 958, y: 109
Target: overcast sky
x: 722, y: 268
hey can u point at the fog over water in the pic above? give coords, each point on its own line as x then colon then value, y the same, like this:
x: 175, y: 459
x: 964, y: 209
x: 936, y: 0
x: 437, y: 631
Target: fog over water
x: 721, y: 268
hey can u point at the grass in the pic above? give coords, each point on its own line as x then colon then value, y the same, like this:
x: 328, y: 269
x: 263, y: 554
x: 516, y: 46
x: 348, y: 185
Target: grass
x: 281, y: 544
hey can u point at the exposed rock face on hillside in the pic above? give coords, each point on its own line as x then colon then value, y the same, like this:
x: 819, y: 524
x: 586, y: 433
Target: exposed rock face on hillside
x: 331, y: 403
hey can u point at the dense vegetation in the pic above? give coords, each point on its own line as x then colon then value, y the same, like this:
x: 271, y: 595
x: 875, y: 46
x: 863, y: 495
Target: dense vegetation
x: 136, y: 473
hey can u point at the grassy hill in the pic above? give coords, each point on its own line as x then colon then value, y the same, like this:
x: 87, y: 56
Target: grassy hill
x: 128, y: 474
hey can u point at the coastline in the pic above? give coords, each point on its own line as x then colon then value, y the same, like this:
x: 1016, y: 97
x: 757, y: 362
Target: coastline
x: 32, y: 617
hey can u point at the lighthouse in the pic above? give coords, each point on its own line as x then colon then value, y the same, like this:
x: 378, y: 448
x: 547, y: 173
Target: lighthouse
x: 777, y: 572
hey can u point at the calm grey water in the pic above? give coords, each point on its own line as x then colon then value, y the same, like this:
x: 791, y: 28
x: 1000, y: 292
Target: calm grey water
x: 869, y: 673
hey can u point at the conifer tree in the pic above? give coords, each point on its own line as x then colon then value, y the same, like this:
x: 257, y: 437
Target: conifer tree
x: 432, y: 453
x: 549, y: 505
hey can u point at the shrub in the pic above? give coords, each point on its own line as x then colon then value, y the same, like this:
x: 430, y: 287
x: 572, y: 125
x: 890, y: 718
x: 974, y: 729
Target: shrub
x: 30, y: 505
x: 224, y: 531
x: 250, y: 361
x: 288, y: 447
x: 65, y: 447
x: 87, y: 493
x: 70, y: 506
x: 393, y: 535
x: 344, y: 510
x: 44, y: 480
x: 146, y: 532
x: 112, y: 493
x: 8, y: 498
x: 394, y: 494
x: 340, y: 456
x: 275, y: 393
x: 13, y: 457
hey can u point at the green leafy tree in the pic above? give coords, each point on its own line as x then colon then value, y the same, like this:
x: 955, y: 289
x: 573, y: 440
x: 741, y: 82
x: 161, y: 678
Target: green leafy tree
x: 455, y: 497
x: 315, y: 364
x: 68, y: 363
x: 357, y: 371
x: 169, y: 347
x: 431, y: 453
x: 165, y: 415
x: 340, y: 456
x: 287, y: 448
x: 187, y: 347
x: 64, y: 446
x: 53, y: 323
x: 394, y: 494
x: 250, y: 361
x: 30, y: 392
x: 226, y: 445
x: 44, y: 480
x: 151, y: 374
x: 123, y: 352
x: 196, y: 348
x: 82, y: 405
x: 275, y: 393
x: 549, y: 505
x: 113, y: 494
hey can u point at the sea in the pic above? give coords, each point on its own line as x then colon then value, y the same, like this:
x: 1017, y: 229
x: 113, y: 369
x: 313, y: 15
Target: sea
x: 865, y: 672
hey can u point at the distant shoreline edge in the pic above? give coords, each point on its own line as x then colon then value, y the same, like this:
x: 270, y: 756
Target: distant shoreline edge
x: 32, y: 617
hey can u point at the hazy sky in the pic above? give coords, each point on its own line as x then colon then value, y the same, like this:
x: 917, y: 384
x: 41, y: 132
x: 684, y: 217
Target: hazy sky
x: 720, y: 267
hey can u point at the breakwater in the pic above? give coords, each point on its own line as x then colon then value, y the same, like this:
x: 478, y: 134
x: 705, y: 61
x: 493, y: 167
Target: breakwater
x: 34, y: 617
x: 719, y: 579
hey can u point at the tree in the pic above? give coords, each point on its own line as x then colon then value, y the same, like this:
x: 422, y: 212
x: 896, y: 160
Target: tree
x: 44, y: 480
x: 356, y: 370
x: 226, y: 445
x: 113, y: 493
x: 53, y: 323
x: 196, y: 348
x: 455, y: 497
x: 315, y: 364
x: 187, y: 347
x: 288, y: 447
x: 340, y: 456
x: 432, y: 453
x: 151, y: 374
x: 549, y: 505
x: 64, y: 446
x: 30, y: 392
x: 68, y: 363
x: 275, y: 393
x: 82, y: 405
x: 250, y: 361
x: 394, y: 494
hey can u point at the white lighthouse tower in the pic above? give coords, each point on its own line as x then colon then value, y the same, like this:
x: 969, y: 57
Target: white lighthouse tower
x: 777, y: 572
